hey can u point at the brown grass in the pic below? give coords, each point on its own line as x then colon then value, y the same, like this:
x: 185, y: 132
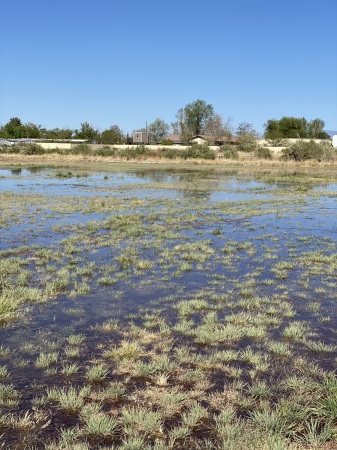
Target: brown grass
x: 246, y: 161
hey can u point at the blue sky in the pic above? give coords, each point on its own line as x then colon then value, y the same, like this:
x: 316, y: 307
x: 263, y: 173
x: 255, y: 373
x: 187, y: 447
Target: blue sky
x: 126, y: 62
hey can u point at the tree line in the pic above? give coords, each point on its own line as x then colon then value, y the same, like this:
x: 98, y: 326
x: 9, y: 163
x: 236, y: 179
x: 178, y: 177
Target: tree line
x: 294, y: 127
x: 196, y: 118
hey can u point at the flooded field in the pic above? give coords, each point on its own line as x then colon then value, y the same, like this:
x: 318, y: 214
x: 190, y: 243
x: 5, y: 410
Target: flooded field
x: 167, y: 309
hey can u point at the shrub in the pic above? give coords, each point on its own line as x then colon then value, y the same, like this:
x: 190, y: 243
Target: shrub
x: 229, y: 152
x: 247, y: 142
x: 278, y: 142
x: 31, y: 149
x: 263, y: 153
x: 132, y: 152
x: 303, y: 151
x: 10, y: 149
x: 198, y: 151
x: 26, y: 149
x: 167, y: 142
x: 80, y: 149
x: 106, y: 151
x: 170, y: 153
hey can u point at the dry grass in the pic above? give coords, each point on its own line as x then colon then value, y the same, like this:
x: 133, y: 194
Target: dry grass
x: 246, y: 160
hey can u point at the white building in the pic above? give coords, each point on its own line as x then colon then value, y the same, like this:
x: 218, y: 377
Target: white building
x: 334, y: 140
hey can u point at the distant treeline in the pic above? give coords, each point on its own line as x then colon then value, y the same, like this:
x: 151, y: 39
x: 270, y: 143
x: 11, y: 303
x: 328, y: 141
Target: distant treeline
x: 196, y: 118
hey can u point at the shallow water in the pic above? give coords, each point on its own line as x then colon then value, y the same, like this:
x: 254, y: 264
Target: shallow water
x: 244, y: 227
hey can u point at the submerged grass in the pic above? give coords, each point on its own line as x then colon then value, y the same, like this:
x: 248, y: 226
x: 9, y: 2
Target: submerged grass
x: 170, y: 310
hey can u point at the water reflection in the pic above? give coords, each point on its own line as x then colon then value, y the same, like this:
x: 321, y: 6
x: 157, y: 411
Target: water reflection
x: 264, y: 229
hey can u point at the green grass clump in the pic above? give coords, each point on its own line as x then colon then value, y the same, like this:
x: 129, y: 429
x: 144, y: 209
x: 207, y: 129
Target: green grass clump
x: 97, y: 373
x: 46, y: 359
x: 97, y: 423
x: 138, y: 420
x: 9, y: 396
x: 76, y: 339
x: 69, y: 398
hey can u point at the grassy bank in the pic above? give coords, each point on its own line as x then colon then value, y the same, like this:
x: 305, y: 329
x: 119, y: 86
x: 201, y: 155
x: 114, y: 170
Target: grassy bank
x: 244, y: 162
x: 306, y: 153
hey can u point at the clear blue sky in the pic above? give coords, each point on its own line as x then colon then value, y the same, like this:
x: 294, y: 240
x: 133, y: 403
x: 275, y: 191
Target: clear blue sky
x: 126, y: 62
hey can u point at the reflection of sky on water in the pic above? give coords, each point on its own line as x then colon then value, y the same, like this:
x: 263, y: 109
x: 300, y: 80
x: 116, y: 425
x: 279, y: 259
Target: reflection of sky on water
x: 314, y: 218
x: 142, y: 184
x: 45, y: 181
x: 316, y: 214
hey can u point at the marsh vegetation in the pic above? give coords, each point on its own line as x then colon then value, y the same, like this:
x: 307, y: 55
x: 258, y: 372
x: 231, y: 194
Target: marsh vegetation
x: 144, y: 308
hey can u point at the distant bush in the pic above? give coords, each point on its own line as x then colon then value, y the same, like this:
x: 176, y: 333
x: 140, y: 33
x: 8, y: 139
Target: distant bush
x: 170, y: 153
x: 229, y: 151
x: 263, y: 153
x: 80, y: 149
x: 167, y: 142
x: 303, y: 151
x: 247, y: 142
x: 278, y: 142
x: 106, y: 151
x: 31, y: 149
x: 132, y: 152
x: 10, y: 149
x: 197, y: 151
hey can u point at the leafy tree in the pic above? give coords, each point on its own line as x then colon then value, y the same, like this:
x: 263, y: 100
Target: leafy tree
x: 157, y: 131
x: 32, y: 131
x: 87, y: 132
x: 65, y: 133
x: 315, y: 129
x: 112, y: 136
x: 57, y: 133
x: 295, y: 127
x: 192, y: 120
x: 13, y: 129
x: 272, y: 130
x: 197, y: 114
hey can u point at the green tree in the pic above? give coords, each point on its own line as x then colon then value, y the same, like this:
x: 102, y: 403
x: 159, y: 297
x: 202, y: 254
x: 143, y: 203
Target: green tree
x: 13, y: 129
x: 64, y: 133
x: 197, y: 114
x: 32, y: 131
x: 157, y: 130
x: 293, y: 127
x: 192, y: 120
x: 57, y: 133
x: 272, y: 129
x: 315, y: 129
x: 87, y: 132
x: 286, y: 127
x: 112, y: 136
